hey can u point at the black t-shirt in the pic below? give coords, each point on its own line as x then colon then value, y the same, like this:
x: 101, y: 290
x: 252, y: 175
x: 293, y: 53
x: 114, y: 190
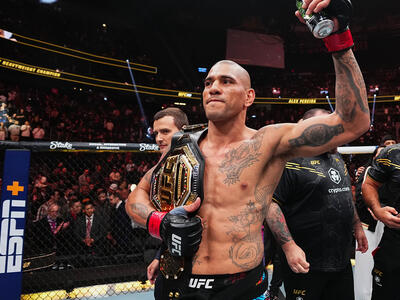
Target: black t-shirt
x: 361, y: 206
x: 316, y: 199
x: 386, y: 169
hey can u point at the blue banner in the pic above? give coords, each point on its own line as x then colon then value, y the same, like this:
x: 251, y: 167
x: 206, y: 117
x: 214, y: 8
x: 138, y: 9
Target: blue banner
x: 14, y: 194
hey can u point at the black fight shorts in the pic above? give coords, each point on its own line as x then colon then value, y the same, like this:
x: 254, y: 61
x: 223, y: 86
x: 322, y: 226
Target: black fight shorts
x: 241, y: 286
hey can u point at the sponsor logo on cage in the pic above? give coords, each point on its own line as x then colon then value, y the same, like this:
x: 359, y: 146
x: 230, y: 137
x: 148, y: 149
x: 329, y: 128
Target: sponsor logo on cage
x: 176, y: 244
x: 334, y: 175
x: 11, y: 238
x: 197, y: 283
x: 60, y: 145
x: 148, y: 147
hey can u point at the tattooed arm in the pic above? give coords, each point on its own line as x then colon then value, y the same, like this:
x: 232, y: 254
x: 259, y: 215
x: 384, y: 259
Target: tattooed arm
x: 350, y: 119
x: 295, y: 256
x: 138, y: 205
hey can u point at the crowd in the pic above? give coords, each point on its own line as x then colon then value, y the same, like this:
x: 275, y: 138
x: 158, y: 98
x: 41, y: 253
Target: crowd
x: 72, y: 115
x: 67, y: 189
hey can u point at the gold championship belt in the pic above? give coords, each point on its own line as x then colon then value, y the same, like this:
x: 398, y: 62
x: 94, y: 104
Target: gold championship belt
x: 177, y: 180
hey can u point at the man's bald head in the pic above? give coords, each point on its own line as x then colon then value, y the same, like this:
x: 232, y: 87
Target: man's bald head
x: 238, y: 71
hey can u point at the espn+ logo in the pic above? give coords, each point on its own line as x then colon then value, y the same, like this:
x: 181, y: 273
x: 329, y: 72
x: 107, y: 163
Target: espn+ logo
x: 11, y: 238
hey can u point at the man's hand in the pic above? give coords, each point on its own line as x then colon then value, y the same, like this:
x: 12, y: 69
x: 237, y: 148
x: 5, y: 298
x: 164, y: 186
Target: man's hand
x: 152, y: 270
x: 360, y: 170
x: 88, y: 241
x: 179, y: 229
x: 312, y: 6
x: 295, y: 257
x: 389, y: 216
x: 362, y: 242
x: 315, y: 6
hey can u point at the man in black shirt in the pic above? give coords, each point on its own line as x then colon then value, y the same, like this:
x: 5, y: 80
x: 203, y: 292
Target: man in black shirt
x: 315, y: 197
x: 373, y: 229
x: 384, y: 175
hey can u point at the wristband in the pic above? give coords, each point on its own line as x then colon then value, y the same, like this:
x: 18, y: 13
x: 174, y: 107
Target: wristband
x: 158, y: 254
x: 339, y: 41
x: 154, y: 222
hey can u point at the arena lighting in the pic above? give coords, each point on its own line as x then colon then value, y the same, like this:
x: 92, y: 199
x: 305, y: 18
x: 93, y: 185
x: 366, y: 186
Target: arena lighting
x: 180, y: 103
x: 276, y: 91
x: 324, y: 91
x: 48, y: 1
x: 202, y: 70
x: 330, y: 104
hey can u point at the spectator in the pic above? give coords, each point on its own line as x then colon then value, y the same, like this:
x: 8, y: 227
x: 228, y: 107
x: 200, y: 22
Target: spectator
x: 90, y: 230
x: 48, y: 229
x: 122, y: 233
x: 84, y: 178
x: 44, y: 208
x: 112, y: 189
x: 38, y: 133
x: 14, y: 130
x: 70, y: 242
x: 115, y: 176
x: 102, y: 205
x: 26, y: 131
x: 3, y: 132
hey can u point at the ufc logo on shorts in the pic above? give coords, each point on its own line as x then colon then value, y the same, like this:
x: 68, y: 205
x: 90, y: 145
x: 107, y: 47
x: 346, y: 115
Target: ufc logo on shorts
x: 11, y: 238
x: 197, y: 283
x: 176, y: 244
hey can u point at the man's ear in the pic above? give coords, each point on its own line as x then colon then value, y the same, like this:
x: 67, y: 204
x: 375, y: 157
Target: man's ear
x: 251, y: 95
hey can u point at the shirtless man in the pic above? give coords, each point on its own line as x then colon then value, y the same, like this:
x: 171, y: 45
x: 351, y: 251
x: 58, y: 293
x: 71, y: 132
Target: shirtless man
x: 243, y: 167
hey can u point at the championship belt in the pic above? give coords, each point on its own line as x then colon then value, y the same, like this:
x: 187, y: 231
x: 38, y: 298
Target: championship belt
x: 177, y: 180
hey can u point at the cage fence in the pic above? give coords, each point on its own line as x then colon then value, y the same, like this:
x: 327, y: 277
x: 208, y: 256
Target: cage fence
x: 65, y: 257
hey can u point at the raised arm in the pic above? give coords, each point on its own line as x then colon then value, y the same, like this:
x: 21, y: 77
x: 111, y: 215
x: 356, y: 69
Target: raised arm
x: 349, y: 121
x: 138, y: 205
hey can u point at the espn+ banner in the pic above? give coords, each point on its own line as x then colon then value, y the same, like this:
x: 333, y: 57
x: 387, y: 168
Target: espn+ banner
x: 12, y: 212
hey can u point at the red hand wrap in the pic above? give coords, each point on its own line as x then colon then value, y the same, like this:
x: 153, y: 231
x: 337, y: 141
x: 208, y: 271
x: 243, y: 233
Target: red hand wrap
x: 154, y: 222
x: 339, y: 41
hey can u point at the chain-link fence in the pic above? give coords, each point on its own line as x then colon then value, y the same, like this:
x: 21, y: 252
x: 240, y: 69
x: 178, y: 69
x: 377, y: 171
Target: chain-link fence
x: 77, y: 232
x: 67, y: 252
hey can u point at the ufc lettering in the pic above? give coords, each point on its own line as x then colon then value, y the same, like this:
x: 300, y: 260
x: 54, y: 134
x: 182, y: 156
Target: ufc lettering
x: 299, y: 292
x: 197, y: 283
x: 11, y: 238
x: 176, y: 244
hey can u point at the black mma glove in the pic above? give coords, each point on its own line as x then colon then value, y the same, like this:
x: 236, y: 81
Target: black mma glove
x: 180, y: 232
x: 341, y: 39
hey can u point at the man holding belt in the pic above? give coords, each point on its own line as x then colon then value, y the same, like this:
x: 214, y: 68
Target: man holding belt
x: 242, y: 169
